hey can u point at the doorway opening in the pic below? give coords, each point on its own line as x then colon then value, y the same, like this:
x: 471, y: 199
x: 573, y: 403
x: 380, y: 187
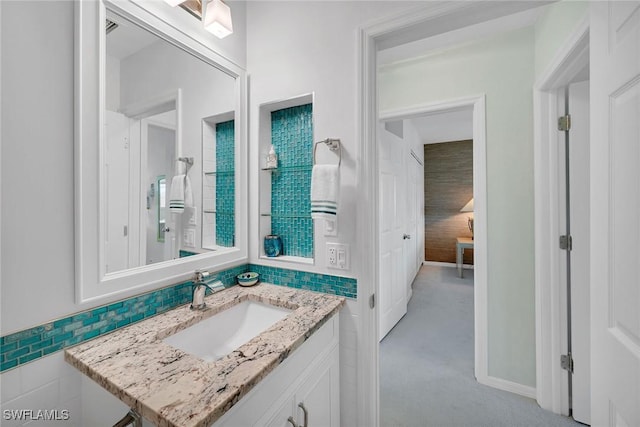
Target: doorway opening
x: 405, y: 269
x: 426, y: 311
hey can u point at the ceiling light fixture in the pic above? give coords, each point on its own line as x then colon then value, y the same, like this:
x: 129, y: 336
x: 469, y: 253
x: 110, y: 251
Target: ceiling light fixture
x: 217, y: 19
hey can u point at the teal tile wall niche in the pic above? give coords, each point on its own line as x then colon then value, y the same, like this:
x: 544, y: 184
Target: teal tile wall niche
x: 292, y: 139
x: 31, y: 344
x: 225, y: 184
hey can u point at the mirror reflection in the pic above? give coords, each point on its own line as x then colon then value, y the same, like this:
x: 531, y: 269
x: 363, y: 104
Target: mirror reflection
x: 169, y: 153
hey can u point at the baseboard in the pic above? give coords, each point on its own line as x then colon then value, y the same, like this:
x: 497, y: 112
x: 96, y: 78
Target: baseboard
x: 447, y: 264
x: 509, y: 386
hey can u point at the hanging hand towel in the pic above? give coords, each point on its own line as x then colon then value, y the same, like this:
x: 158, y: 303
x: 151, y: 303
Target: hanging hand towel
x: 325, y: 186
x: 176, y: 200
x: 188, y: 193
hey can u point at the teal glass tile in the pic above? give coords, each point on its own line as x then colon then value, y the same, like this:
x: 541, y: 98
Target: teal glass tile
x: 292, y: 139
x: 112, y: 307
x: 90, y: 320
x: 41, y: 344
x: 17, y: 353
x: 90, y: 334
x: 6, y: 347
x: 29, y: 341
x: 225, y: 184
x: 123, y: 322
x: 22, y: 335
x: 8, y: 365
x: 98, y: 311
x: 52, y: 349
x: 30, y: 357
x: 62, y: 337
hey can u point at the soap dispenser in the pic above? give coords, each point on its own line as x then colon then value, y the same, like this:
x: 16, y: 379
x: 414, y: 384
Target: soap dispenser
x: 272, y: 159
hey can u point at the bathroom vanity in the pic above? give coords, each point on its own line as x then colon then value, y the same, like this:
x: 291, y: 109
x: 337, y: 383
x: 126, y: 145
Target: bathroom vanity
x: 286, y: 375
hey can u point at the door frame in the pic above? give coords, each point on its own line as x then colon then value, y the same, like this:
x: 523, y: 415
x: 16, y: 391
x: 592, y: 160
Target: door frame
x: 419, y: 23
x: 478, y: 104
x: 570, y: 58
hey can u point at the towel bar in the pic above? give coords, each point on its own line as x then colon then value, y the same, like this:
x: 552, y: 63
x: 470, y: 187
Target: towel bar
x: 333, y: 144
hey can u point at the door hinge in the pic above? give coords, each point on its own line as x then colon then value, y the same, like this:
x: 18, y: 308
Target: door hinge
x: 564, y: 123
x: 372, y: 301
x: 566, y: 362
x: 566, y: 242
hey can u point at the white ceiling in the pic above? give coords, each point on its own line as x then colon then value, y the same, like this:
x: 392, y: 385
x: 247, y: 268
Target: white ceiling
x: 127, y: 39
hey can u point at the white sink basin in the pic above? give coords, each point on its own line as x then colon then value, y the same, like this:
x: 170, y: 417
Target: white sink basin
x: 222, y: 333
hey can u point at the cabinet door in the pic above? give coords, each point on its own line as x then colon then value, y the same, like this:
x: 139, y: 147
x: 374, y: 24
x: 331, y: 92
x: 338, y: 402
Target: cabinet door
x: 279, y: 417
x: 320, y: 395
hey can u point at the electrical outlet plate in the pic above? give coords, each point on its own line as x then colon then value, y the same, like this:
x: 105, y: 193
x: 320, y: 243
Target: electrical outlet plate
x: 338, y: 256
x: 189, y: 238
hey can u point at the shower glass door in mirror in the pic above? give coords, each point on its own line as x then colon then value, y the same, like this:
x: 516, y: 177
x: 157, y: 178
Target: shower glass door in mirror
x: 168, y: 161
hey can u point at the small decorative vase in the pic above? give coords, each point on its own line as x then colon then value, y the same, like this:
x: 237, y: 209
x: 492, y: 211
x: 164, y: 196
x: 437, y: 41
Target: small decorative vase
x: 272, y: 245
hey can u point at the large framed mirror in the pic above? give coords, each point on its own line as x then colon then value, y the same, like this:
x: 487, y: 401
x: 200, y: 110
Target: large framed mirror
x: 161, y: 165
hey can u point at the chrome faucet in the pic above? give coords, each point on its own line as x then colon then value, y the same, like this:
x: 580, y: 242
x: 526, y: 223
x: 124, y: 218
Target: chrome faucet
x: 199, y: 289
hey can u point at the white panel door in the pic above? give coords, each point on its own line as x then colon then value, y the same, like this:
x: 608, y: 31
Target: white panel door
x: 393, y: 288
x: 117, y: 182
x: 615, y: 213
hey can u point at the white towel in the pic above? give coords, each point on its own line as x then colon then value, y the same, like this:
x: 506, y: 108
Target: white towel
x: 188, y: 194
x: 177, y: 195
x: 325, y: 187
x: 181, y: 194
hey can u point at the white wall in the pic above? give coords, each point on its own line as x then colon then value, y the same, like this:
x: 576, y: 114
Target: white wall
x: 49, y: 383
x: 553, y: 26
x: 502, y: 68
x: 37, y: 197
x: 316, y: 53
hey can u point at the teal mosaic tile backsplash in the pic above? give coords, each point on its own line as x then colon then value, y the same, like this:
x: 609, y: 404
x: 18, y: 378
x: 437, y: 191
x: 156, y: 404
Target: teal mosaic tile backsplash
x: 31, y: 344
x: 225, y: 184
x: 342, y: 286
x: 292, y: 138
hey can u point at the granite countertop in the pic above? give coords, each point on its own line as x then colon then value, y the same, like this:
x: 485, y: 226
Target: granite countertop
x: 172, y: 388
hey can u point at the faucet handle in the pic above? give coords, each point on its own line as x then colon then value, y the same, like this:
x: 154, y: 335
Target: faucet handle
x: 200, y: 275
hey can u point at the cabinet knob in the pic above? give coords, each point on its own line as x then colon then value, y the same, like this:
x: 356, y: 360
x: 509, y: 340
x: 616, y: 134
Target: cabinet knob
x: 406, y: 236
x: 293, y: 423
x: 306, y: 414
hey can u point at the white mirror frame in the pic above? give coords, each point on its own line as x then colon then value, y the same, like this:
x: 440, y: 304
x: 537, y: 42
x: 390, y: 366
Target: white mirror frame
x: 91, y: 284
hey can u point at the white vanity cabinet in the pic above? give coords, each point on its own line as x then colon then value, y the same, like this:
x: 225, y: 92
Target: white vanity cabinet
x: 309, y: 376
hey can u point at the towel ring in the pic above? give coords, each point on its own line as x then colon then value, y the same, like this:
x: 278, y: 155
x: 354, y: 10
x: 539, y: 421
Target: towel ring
x: 333, y: 144
x: 186, y: 160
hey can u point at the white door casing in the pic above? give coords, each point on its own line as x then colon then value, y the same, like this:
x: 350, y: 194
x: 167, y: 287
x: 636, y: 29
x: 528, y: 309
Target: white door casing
x: 615, y: 207
x: 550, y: 289
x: 392, y: 261
x: 411, y: 243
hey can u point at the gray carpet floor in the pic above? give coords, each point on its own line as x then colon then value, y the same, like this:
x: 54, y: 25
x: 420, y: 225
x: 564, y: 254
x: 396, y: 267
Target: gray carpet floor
x: 426, y: 365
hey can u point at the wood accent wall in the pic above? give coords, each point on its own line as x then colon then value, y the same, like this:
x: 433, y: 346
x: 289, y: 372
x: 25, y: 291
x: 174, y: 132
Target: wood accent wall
x: 448, y: 186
